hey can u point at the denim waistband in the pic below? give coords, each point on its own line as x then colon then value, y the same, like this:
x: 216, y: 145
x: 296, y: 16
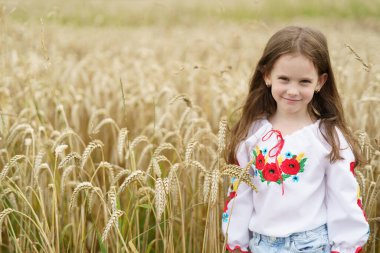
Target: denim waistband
x: 317, y: 232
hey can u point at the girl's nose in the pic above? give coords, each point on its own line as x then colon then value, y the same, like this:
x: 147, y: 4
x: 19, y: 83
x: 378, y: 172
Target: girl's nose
x: 292, y: 91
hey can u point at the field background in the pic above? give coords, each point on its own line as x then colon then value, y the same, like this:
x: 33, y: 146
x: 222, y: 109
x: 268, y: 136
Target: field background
x: 114, y: 115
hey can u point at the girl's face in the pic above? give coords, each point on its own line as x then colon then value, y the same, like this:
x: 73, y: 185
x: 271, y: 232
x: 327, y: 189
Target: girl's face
x: 294, y: 80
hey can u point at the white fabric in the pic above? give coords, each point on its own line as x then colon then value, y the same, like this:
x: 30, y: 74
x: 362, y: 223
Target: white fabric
x: 323, y: 193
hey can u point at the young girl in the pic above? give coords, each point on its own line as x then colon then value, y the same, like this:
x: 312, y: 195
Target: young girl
x: 293, y: 131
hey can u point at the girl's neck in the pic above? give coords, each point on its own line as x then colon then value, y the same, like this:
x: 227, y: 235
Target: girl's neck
x: 288, y: 124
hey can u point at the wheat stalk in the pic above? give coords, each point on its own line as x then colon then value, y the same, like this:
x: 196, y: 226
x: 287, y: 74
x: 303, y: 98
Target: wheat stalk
x: 72, y: 156
x: 237, y: 172
x: 60, y: 149
x: 222, y: 136
x: 143, y: 153
x: 182, y: 120
x: 367, y: 67
x: 93, y: 116
x: 110, y: 169
x: 182, y: 97
x: 43, y: 166
x: 80, y: 187
x: 145, y: 190
x: 173, y: 183
x: 189, y: 150
x: 14, y: 160
x: 111, y: 222
x: 136, y: 175
x: 137, y: 140
x: 198, y: 165
x: 120, y: 175
x: 103, y: 123
x: 159, y: 198
x: 3, y: 215
x: 144, y: 200
x: 94, y: 191
x: 156, y: 167
x: 206, y: 186
x: 162, y: 147
x: 11, y: 197
x: 215, y: 175
x: 123, y: 133
x: 87, y: 152
x: 112, y: 198
x: 61, y: 136
x: 65, y: 175
x: 15, y: 131
x: 38, y: 159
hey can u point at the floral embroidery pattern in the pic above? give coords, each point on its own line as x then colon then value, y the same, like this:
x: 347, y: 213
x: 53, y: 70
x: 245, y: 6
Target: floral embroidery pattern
x: 291, y: 166
x: 358, y: 197
x: 231, y: 194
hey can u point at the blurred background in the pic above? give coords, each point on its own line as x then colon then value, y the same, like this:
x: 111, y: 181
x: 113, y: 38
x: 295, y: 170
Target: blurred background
x: 114, y: 115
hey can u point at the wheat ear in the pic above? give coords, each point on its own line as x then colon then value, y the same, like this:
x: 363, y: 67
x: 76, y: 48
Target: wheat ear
x: 72, y: 156
x: 111, y: 222
x: 80, y: 187
x: 123, y: 134
x: 65, y: 175
x: 222, y: 136
x: 87, y: 152
x: 160, y: 198
x: 182, y: 97
x: 236, y: 171
x: 136, y: 175
x: 103, y: 123
x: 10, y: 165
x: 3, y: 215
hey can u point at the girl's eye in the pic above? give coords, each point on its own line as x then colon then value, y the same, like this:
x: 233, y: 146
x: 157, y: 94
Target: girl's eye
x: 284, y: 79
x: 305, y: 82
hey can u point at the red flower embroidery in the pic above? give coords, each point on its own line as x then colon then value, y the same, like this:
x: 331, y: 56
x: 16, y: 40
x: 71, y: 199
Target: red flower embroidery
x: 260, y: 161
x: 358, y: 249
x: 352, y: 167
x: 361, y: 207
x: 290, y: 166
x: 271, y: 172
x: 231, y: 196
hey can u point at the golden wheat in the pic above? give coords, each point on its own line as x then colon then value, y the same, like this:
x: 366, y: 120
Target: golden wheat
x: 73, y: 156
x: 80, y: 187
x: 158, y: 111
x: 3, y: 215
x: 89, y: 149
x: 13, y: 162
x: 160, y: 198
x: 136, y: 175
x: 123, y: 134
x: 111, y: 222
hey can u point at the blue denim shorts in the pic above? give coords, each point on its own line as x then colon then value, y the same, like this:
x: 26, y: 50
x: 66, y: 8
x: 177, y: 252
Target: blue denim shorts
x: 312, y: 241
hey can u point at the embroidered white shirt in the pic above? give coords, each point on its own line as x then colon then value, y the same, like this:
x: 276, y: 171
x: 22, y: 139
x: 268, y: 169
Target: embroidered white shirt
x: 300, y: 192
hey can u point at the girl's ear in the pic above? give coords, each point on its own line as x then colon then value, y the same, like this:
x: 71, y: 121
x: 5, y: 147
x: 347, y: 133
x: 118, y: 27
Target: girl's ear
x: 267, y: 78
x: 321, y: 81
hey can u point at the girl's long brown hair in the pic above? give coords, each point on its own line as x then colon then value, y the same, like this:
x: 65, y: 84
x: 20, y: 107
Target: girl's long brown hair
x: 326, y: 104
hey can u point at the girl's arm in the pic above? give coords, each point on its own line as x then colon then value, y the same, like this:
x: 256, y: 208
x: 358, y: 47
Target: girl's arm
x: 238, y: 210
x: 347, y: 225
x: 236, y: 216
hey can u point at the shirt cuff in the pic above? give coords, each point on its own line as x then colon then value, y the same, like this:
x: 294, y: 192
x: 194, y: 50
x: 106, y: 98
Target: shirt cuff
x: 231, y: 249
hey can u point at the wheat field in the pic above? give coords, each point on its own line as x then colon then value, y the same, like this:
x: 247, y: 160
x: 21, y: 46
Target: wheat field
x: 112, y: 136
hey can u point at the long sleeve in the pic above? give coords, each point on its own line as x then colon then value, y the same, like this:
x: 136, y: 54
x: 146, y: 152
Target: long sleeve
x: 238, y: 210
x: 347, y: 225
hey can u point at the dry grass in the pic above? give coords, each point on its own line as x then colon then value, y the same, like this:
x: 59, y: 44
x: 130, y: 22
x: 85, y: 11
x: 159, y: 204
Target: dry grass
x: 111, y: 139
